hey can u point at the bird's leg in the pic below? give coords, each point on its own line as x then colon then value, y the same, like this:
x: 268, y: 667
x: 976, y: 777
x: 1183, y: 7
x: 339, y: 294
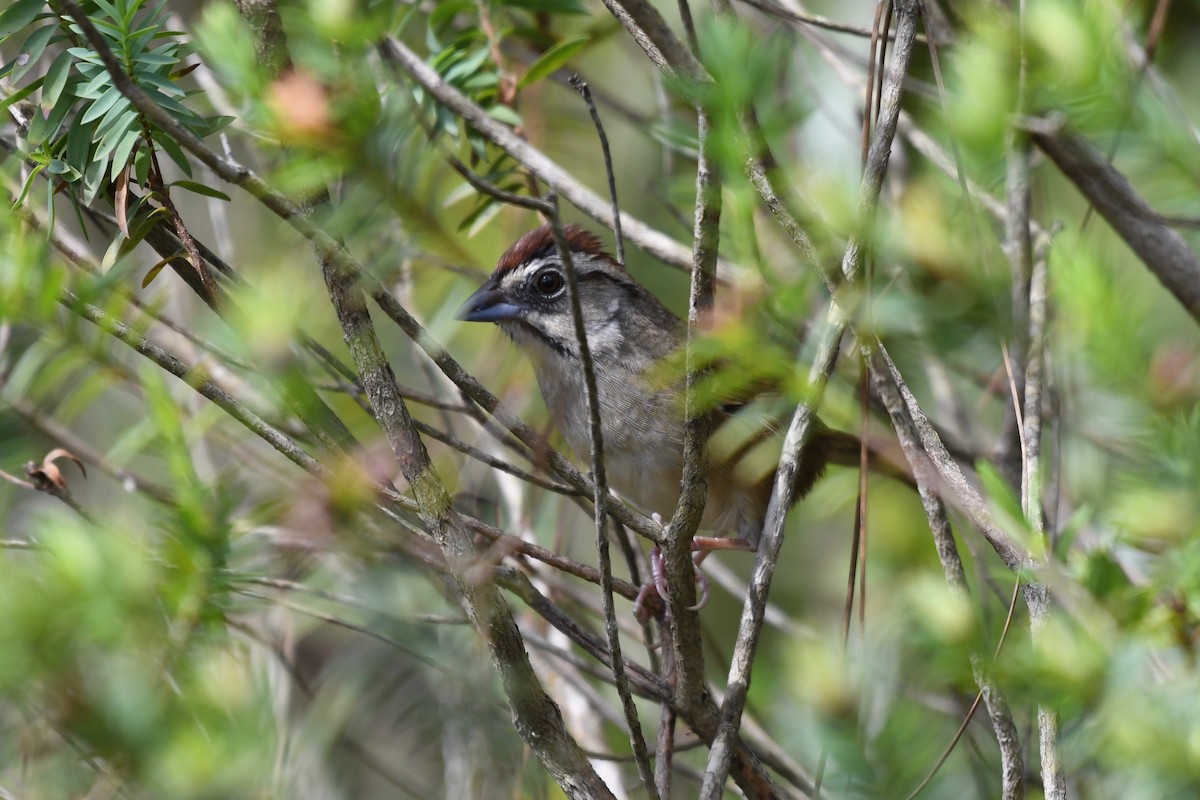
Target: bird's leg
x: 707, y: 544
x: 701, y: 547
x: 657, y: 585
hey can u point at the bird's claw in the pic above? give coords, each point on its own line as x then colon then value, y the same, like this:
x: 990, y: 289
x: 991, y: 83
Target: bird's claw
x: 642, y: 609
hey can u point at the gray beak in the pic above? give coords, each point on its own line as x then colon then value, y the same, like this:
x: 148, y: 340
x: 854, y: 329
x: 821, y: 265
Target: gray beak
x: 489, y: 304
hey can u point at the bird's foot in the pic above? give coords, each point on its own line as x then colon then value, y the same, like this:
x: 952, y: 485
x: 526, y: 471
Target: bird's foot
x: 657, y: 588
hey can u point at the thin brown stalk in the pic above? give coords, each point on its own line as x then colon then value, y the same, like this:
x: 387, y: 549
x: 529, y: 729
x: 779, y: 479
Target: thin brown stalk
x: 600, y: 504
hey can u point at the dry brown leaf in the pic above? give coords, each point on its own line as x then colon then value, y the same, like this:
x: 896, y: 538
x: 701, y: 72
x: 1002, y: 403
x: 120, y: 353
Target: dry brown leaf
x: 48, y: 472
x: 121, y: 200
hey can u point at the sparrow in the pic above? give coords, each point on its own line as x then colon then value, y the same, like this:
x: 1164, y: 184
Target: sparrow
x: 631, y: 336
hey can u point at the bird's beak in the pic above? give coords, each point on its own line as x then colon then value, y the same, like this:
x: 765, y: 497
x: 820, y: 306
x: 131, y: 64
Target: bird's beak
x: 488, y: 304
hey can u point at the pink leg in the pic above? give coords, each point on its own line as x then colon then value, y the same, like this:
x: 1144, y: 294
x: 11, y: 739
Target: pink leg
x: 657, y: 584
x: 706, y: 544
x: 701, y: 546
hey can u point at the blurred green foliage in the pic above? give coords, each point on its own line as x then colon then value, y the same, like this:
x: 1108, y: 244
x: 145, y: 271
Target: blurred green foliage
x: 144, y: 650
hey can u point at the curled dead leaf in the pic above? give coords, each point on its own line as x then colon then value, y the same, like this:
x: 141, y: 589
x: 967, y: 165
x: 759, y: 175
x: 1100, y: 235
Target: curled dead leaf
x: 47, y: 477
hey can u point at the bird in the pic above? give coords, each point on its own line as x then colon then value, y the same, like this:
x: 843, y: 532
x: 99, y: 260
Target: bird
x: 630, y: 336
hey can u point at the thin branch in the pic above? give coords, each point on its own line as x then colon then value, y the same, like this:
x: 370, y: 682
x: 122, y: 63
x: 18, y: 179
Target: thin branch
x: 479, y: 394
x: 816, y: 21
x: 581, y: 86
x: 1160, y: 248
x: 644, y: 682
x: 332, y: 619
x: 284, y: 584
x: 686, y: 640
x: 648, y: 28
x: 549, y: 557
x: 1053, y: 777
x: 494, y: 191
x: 196, y: 380
x: 939, y: 467
x: 600, y: 498
x: 1018, y: 237
x: 1011, y: 754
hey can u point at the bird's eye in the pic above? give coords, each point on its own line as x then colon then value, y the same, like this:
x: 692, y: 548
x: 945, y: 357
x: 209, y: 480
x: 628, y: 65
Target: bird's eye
x: 548, y: 282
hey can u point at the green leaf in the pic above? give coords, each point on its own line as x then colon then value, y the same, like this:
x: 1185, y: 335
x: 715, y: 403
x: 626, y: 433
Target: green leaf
x: 467, y: 66
x: 177, y: 109
x: 478, y: 219
x: 460, y: 193
x: 108, y: 8
x: 172, y: 149
x: 79, y: 144
x: 50, y: 215
x: 43, y: 130
x: 123, y: 150
x: 145, y: 79
x: 477, y: 83
x: 97, y: 86
x: 110, y: 138
x: 1004, y: 500
x: 93, y: 179
x: 86, y: 54
x: 32, y: 50
x: 153, y: 273
x: 157, y: 268
x: 445, y: 11
x: 505, y: 115
x: 552, y: 59
x: 56, y: 79
x: 101, y: 107
x: 114, y: 32
x: 28, y: 184
x: 130, y: 12
x: 213, y: 124
x: 141, y: 165
x: 112, y: 254
x: 200, y: 188
x: 18, y: 15
x: 115, y: 119
x: 156, y: 58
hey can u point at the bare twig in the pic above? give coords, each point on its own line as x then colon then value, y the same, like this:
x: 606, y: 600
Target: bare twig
x: 581, y: 86
x: 1019, y: 248
x: 685, y: 640
x: 816, y: 21
x: 1160, y: 248
x: 491, y: 404
x: 1011, y: 754
x: 600, y: 497
x: 648, y: 28
x: 205, y: 387
x: 1053, y: 777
